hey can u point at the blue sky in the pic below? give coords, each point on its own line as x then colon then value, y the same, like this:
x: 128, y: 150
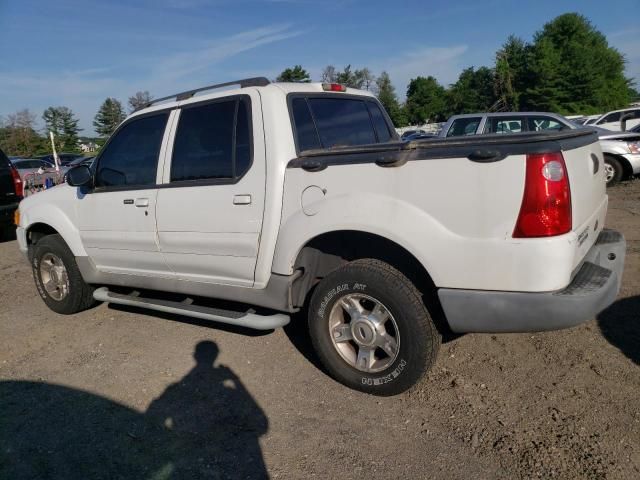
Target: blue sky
x: 78, y: 52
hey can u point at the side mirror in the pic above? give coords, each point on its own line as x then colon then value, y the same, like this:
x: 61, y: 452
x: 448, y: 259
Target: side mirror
x: 80, y: 176
x: 623, y: 121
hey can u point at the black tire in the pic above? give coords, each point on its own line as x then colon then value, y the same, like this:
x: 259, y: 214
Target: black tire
x: 79, y: 295
x: 419, y: 340
x: 618, y: 170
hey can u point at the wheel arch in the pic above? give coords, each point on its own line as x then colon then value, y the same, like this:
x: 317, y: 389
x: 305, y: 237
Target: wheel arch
x: 626, y: 166
x: 328, y: 251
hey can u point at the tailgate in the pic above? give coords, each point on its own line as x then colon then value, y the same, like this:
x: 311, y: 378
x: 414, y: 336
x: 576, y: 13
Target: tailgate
x: 585, y: 167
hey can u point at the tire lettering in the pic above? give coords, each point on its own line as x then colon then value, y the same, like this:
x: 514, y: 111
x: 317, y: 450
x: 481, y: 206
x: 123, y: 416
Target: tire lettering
x: 332, y: 293
x: 387, y: 378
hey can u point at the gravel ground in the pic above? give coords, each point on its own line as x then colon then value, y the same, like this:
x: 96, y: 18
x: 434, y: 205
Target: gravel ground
x: 113, y: 393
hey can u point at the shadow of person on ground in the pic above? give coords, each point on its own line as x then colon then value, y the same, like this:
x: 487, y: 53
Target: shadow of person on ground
x: 620, y: 325
x: 207, y: 425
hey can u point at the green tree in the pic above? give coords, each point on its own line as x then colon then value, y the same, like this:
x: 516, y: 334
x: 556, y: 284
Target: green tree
x: 511, y: 74
x: 110, y: 115
x: 362, y: 79
x: 139, y: 101
x: 18, y: 135
x: 473, y: 92
x: 426, y: 101
x: 572, y: 69
x: 387, y: 96
x: 53, y: 123
x: 62, y: 122
x: 295, y: 74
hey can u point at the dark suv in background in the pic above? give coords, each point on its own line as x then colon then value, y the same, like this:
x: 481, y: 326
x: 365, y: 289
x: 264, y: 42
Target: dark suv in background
x: 10, y: 195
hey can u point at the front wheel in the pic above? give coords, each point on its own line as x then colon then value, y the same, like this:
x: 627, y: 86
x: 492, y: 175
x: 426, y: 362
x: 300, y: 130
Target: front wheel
x: 371, y: 329
x: 613, y: 171
x: 58, y: 278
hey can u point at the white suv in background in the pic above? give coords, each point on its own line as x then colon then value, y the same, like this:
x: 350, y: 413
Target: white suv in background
x: 612, y: 120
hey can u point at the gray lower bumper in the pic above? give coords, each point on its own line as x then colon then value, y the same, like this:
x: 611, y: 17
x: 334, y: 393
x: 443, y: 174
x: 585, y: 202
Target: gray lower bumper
x: 594, y: 287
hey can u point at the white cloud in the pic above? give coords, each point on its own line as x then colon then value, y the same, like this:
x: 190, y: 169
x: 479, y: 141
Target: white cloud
x: 182, y: 64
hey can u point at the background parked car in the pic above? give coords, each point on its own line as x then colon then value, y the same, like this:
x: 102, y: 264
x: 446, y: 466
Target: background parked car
x: 27, y: 166
x: 10, y: 194
x: 409, y: 133
x: 65, y: 158
x: 612, y: 120
x: 620, y: 149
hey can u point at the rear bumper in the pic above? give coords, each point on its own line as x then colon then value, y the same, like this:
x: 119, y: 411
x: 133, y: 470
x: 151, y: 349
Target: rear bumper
x: 594, y: 287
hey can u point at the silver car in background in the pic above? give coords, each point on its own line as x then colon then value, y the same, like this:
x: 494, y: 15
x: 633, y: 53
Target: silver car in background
x: 621, y: 149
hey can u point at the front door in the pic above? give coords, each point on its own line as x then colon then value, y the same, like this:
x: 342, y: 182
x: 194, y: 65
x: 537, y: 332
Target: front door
x: 117, y: 218
x: 210, y: 207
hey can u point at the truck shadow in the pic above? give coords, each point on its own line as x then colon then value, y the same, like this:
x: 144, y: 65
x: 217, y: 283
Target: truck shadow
x: 620, y: 325
x: 205, y: 425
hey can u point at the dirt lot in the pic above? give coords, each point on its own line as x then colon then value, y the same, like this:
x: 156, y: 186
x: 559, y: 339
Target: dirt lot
x: 111, y: 393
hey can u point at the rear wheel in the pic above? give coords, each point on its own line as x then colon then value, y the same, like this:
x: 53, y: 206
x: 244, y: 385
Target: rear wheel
x: 613, y: 170
x: 57, y: 277
x: 371, y: 329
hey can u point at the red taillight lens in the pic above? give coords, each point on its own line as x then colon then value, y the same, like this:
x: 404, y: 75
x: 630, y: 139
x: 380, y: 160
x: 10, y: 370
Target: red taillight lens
x: 333, y: 87
x: 17, y: 181
x: 546, y: 205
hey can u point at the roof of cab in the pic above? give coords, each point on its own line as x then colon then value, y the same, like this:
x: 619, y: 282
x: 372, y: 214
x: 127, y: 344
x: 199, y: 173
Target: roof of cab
x: 274, y: 88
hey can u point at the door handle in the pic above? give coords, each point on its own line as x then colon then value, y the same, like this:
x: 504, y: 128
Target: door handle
x: 142, y: 202
x: 242, y: 200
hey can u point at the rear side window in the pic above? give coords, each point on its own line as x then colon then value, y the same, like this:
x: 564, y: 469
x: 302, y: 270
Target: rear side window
x: 213, y: 141
x: 536, y: 124
x: 327, y: 122
x: 131, y: 156
x: 464, y: 126
x: 502, y: 125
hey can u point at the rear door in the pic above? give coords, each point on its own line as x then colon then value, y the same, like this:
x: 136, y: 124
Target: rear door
x: 211, y: 204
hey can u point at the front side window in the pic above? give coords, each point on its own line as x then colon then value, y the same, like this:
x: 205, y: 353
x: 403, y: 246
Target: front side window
x: 327, y: 122
x: 612, y: 117
x: 213, y: 141
x: 131, y: 156
x: 464, y: 126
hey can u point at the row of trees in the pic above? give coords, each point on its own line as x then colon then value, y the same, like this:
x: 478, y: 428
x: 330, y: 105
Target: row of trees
x: 568, y: 68
x: 19, y: 134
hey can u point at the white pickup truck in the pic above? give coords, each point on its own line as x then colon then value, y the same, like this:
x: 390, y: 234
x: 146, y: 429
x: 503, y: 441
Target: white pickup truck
x: 284, y: 197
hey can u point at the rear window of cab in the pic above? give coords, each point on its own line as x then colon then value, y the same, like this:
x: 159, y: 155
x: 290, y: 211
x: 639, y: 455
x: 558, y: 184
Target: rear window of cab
x: 325, y: 121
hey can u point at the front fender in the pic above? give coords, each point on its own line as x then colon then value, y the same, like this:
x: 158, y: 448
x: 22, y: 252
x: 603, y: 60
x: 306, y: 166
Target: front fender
x: 54, y: 208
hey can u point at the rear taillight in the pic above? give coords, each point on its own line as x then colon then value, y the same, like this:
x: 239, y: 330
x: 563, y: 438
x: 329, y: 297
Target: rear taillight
x: 546, y: 205
x: 17, y: 181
